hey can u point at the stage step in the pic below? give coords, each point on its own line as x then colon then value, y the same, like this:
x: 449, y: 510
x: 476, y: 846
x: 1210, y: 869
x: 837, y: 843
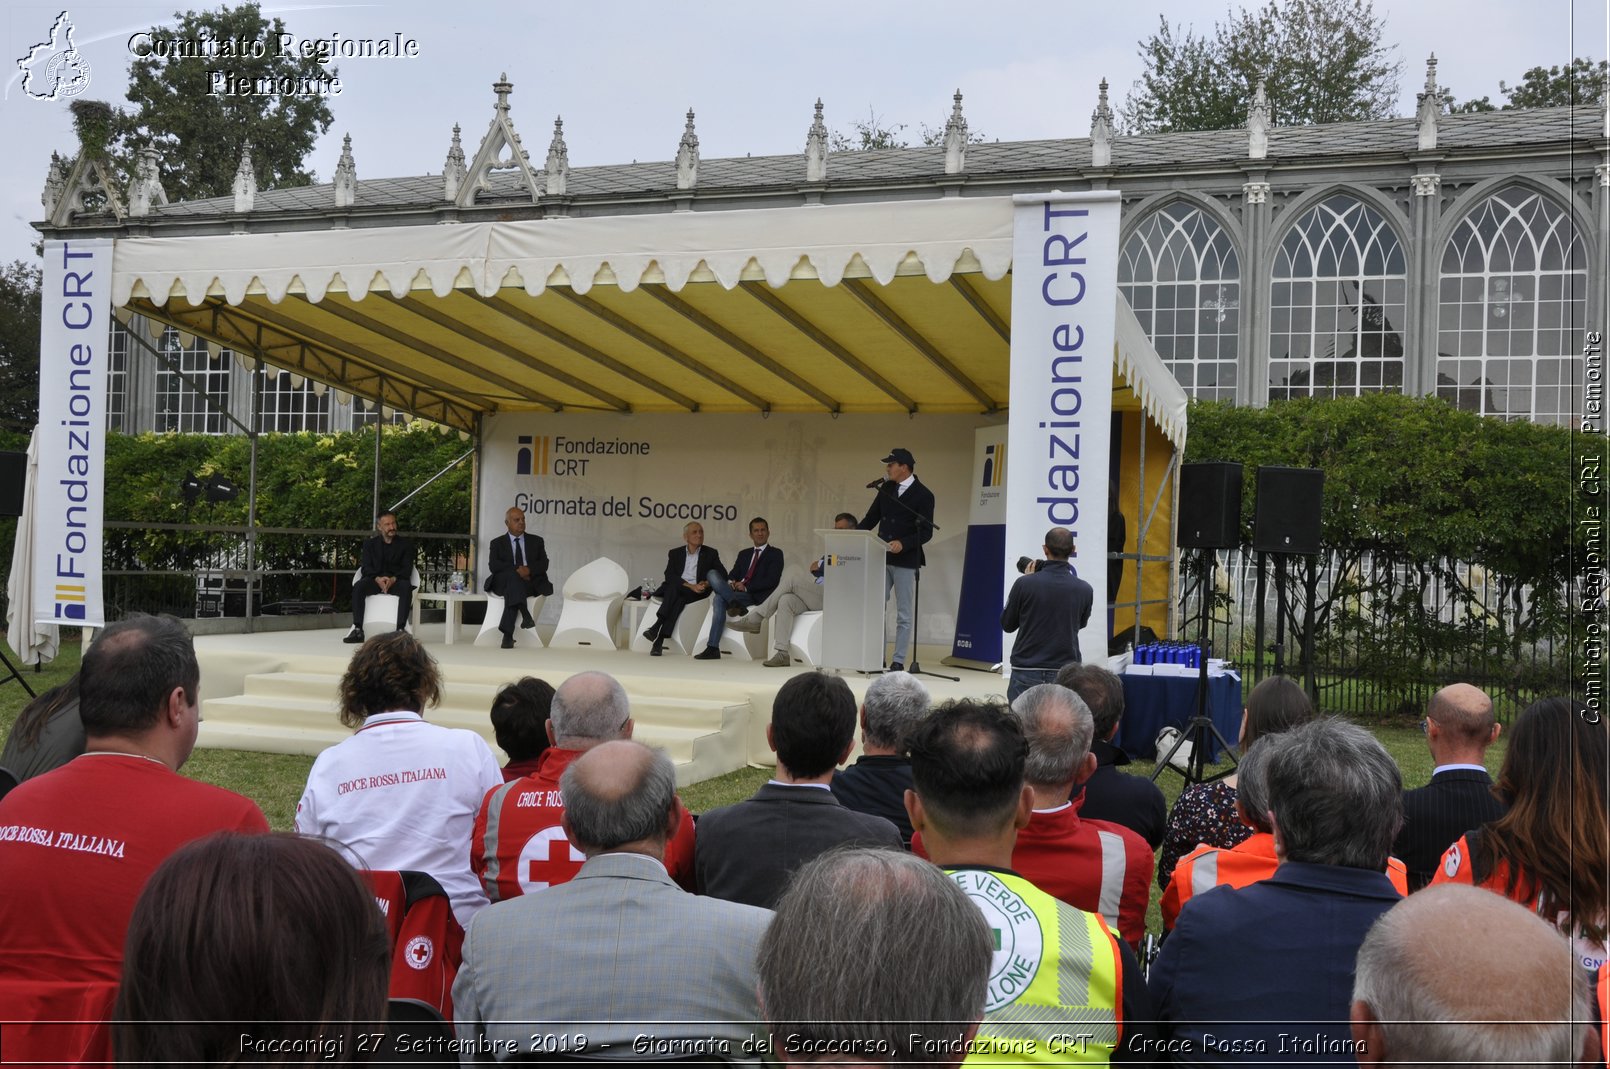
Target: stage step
x: 703, y: 730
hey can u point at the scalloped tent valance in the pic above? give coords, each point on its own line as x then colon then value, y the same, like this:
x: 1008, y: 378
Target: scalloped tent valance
x: 871, y: 240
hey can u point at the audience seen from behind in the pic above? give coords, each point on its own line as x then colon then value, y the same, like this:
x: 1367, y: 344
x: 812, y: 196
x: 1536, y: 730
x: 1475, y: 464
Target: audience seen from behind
x: 519, y: 844
x: 1459, y: 727
x: 1133, y: 801
x: 98, y: 826
x: 878, y: 781
x: 620, y: 954
x: 253, y: 948
x: 520, y: 724
x: 1090, y: 864
x: 47, y: 734
x: 877, y: 956
x: 747, y: 851
x: 1548, y: 851
x: 1456, y: 976
x: 1205, y: 812
x: 401, y: 793
x: 1244, y: 963
x: 1054, y: 963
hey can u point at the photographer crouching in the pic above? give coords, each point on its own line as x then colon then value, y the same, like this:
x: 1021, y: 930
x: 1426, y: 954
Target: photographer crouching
x: 1047, y: 606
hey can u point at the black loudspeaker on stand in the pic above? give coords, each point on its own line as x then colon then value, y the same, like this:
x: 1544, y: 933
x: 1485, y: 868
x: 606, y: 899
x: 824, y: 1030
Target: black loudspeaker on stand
x: 1209, y: 520
x: 1287, y: 523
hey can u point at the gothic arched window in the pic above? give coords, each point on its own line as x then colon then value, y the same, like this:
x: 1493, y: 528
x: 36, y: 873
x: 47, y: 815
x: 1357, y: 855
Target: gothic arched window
x: 1512, y: 306
x: 1336, y: 304
x: 1181, y: 275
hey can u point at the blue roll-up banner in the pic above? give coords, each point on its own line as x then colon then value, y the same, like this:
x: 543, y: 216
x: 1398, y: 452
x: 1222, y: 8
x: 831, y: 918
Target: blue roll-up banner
x: 978, y: 614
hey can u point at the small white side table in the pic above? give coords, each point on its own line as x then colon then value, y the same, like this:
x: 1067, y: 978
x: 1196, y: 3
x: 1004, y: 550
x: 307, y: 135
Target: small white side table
x: 454, y: 603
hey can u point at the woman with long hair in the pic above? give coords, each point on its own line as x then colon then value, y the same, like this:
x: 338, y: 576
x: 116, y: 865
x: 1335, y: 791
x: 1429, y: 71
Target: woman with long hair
x: 401, y: 793
x: 48, y: 733
x: 1549, y: 851
x: 252, y: 948
x: 1205, y: 813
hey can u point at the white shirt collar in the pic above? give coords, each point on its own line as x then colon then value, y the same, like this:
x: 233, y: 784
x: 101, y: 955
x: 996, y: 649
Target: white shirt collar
x: 1458, y: 768
x: 905, y: 484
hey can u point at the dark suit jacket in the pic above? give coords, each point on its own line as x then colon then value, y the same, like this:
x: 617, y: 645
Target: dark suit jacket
x: 891, y: 516
x: 1133, y: 801
x: 746, y: 852
x: 1435, y: 815
x: 1294, y: 938
x: 709, y: 560
x: 768, y: 573
x: 395, y: 560
x: 877, y: 784
x: 504, y: 578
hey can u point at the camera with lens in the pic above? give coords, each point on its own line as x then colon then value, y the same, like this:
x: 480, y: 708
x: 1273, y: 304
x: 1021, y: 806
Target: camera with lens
x: 1024, y: 562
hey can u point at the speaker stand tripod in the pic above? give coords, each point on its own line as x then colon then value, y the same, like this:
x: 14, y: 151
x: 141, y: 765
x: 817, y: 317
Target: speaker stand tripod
x: 1200, y: 729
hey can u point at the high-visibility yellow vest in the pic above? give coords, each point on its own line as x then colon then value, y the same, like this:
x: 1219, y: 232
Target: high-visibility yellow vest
x: 1056, y: 983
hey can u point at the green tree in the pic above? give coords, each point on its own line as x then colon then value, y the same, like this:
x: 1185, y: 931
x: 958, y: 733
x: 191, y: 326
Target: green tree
x: 1580, y: 82
x: 872, y: 132
x: 1322, y: 62
x: 19, y: 345
x: 199, y: 132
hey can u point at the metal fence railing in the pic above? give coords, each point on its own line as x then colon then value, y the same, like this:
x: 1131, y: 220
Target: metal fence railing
x: 201, y: 571
x: 1385, y: 633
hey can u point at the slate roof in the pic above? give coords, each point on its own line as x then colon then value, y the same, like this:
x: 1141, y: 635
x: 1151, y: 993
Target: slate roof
x: 1580, y: 128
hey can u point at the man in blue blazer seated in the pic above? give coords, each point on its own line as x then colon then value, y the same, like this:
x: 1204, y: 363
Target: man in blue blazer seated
x: 519, y: 566
x: 753, y: 577
x: 1264, y: 973
x: 686, y: 569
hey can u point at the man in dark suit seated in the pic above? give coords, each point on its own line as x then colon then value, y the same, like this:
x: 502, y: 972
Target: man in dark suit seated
x: 753, y: 577
x: 519, y: 564
x: 1133, y: 801
x: 878, y: 781
x: 686, y: 570
x: 385, y: 566
x: 1459, y: 727
x: 746, y: 852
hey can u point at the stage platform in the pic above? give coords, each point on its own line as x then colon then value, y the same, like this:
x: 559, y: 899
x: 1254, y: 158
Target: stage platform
x: 275, y: 691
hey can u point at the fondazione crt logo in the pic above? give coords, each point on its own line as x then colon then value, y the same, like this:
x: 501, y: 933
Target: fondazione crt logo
x: 54, y: 69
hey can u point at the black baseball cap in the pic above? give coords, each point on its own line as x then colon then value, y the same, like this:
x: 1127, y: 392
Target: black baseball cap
x: 901, y: 456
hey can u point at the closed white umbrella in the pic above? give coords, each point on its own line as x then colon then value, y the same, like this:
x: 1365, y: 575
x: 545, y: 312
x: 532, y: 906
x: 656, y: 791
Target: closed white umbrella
x: 35, y: 643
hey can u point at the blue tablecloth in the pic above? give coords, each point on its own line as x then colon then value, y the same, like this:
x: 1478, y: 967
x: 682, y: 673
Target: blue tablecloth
x: 1154, y: 702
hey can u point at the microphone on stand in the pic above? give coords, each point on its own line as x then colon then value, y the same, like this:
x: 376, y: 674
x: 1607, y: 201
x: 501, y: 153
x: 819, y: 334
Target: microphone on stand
x: 876, y: 484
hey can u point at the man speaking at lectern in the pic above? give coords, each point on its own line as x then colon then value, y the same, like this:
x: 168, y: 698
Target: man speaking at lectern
x: 903, y: 516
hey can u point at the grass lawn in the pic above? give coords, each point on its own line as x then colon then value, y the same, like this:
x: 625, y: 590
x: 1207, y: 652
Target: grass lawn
x: 275, y: 781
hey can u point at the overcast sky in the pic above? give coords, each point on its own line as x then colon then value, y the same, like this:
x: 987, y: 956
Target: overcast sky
x: 623, y: 73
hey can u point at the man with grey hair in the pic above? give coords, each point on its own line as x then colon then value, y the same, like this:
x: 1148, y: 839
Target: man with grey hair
x: 815, y: 997
x: 1090, y: 864
x: 1459, y: 727
x: 1457, y: 975
x: 519, y: 845
x: 1111, y: 794
x: 620, y: 953
x: 878, y: 781
x: 1334, y: 797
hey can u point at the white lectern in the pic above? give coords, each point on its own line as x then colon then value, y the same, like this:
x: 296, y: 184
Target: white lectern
x: 852, y: 600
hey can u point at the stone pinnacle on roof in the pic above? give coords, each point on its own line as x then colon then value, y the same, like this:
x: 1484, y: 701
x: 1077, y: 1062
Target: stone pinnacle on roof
x: 145, y: 188
x: 1430, y: 106
x: 453, y: 171
x: 816, y: 148
x: 558, y: 163
x: 55, y: 184
x: 245, y: 180
x: 955, y: 137
x: 1101, y: 129
x: 687, y: 156
x: 346, y: 176
x: 1258, y: 124
x: 500, y: 135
